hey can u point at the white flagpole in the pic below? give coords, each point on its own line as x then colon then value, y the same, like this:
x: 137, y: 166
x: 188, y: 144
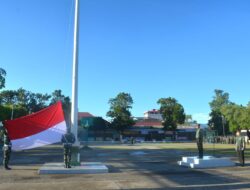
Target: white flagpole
x: 74, y: 106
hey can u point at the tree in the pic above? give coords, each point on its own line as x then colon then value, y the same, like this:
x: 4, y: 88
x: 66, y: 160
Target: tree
x: 22, y: 102
x: 172, y: 113
x: 217, y: 121
x: 6, y: 112
x: 8, y: 97
x: 220, y: 99
x: 31, y: 101
x: 58, y: 96
x: 12, y: 102
x: 119, y: 112
x: 237, y: 116
x: 37, y: 101
x: 23, y: 97
x: 2, y: 78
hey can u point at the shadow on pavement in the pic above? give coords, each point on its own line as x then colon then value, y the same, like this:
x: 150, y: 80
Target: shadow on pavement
x: 158, y: 165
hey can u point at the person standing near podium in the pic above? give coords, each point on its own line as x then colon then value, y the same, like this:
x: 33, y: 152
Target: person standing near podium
x: 199, y: 140
x: 240, y: 147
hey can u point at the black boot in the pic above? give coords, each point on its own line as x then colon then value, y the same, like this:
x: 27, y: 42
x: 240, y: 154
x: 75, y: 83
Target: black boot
x: 7, y: 168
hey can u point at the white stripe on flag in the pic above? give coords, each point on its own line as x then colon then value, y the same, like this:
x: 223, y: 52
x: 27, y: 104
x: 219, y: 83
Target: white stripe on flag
x: 49, y: 136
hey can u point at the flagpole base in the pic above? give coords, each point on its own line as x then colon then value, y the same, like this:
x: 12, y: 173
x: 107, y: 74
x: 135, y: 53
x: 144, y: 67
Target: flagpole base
x: 75, y: 155
x: 83, y: 168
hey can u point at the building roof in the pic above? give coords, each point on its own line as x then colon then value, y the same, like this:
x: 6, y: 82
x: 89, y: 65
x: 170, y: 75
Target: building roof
x: 84, y: 114
x: 186, y: 127
x: 192, y: 126
x: 148, y: 123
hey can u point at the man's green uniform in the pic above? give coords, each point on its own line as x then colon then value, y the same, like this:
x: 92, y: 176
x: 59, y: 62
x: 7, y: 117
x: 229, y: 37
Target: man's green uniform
x: 6, y: 151
x: 240, y: 148
x: 68, y: 139
x: 132, y: 140
x: 199, y: 141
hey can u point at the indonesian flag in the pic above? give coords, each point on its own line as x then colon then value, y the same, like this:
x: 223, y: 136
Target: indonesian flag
x: 38, y: 129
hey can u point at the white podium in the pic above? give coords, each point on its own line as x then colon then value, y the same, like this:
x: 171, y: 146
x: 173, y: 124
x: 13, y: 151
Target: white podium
x: 205, y: 162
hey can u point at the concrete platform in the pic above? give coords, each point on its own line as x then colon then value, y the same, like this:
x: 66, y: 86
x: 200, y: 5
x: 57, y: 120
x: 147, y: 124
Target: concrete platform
x: 84, y: 168
x: 206, y: 162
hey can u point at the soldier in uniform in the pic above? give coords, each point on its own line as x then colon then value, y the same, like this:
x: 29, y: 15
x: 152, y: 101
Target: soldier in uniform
x: 240, y: 147
x: 6, y: 150
x: 199, y: 140
x: 132, y: 140
x: 68, y: 139
x: 248, y: 136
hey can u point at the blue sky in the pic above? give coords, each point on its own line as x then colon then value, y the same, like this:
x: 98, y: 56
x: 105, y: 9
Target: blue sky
x: 148, y: 48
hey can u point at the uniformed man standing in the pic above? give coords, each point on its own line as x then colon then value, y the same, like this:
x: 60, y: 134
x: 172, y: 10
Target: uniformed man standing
x: 132, y: 139
x: 240, y: 147
x: 6, y: 150
x: 199, y: 140
x: 68, y: 139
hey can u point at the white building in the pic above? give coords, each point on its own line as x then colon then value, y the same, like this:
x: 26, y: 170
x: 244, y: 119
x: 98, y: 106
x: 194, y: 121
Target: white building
x: 153, y: 114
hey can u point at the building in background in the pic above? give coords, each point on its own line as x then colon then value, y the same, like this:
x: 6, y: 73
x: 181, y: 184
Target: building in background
x: 150, y: 128
x: 147, y: 128
x: 85, y: 119
x: 93, y: 128
x: 153, y: 114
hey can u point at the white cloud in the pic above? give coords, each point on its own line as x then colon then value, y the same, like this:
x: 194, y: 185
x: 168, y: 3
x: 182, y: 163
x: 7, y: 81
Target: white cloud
x: 201, y: 117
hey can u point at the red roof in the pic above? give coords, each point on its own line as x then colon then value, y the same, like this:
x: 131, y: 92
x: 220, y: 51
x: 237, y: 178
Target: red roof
x: 148, y: 123
x: 84, y: 114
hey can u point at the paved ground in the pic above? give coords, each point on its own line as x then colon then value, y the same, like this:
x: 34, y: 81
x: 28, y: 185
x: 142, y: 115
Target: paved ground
x: 139, y: 167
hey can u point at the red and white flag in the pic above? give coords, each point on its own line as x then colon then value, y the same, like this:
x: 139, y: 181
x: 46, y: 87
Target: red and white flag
x: 38, y: 129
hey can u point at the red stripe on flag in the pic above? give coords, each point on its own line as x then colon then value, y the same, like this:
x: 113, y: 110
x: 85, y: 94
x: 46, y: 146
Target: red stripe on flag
x: 35, y: 123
